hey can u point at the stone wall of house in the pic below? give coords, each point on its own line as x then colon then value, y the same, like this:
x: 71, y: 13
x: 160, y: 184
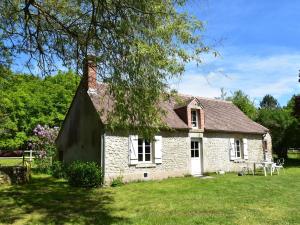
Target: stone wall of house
x: 216, y: 155
x: 175, y: 157
x: 80, y: 136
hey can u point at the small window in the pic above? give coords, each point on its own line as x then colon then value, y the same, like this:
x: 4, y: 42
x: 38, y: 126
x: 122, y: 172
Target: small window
x: 238, y: 150
x: 194, y: 149
x: 194, y: 118
x: 144, y: 150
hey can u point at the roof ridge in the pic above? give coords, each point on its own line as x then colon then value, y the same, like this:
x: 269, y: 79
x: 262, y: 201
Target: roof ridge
x: 205, y: 98
x: 213, y: 99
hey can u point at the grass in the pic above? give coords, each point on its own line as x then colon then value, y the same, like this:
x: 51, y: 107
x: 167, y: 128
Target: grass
x: 227, y: 199
x: 294, y: 155
x: 11, y: 162
x: 14, y: 162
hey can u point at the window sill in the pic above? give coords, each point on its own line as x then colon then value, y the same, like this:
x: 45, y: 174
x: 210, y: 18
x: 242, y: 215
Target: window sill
x: 146, y: 165
x: 239, y: 161
x: 196, y: 130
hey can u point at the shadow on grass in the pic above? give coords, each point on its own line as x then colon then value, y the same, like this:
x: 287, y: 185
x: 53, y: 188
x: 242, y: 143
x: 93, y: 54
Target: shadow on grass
x: 290, y: 162
x: 49, y: 201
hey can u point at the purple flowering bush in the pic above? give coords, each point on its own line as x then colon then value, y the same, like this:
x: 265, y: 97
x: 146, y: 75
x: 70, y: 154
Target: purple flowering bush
x: 43, y: 142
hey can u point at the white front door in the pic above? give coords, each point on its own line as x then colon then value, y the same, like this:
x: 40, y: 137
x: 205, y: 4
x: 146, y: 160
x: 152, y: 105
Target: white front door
x: 196, y: 167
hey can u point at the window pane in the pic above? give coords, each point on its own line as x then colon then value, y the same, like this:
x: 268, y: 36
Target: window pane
x: 192, y: 153
x: 196, y: 145
x: 197, y: 153
x: 140, y: 158
x: 140, y: 149
x: 238, y: 154
x: 147, y: 157
x: 147, y: 149
x: 140, y: 141
x: 147, y: 142
x: 192, y: 145
x: 194, y: 118
x: 194, y: 115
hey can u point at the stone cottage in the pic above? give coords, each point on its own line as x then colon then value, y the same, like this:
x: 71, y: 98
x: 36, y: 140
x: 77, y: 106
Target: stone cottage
x: 206, y: 135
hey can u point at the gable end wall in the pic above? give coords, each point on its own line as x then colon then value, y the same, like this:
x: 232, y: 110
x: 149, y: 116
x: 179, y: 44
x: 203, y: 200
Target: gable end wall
x: 80, y: 137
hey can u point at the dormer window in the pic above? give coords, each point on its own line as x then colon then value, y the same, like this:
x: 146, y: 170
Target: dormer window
x: 194, y: 118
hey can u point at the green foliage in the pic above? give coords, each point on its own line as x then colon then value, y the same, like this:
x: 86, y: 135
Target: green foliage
x: 58, y: 170
x: 43, y: 165
x: 117, y: 182
x: 243, y: 102
x: 269, y: 101
x: 138, y: 46
x: 29, y: 100
x: 84, y: 174
x: 283, y: 126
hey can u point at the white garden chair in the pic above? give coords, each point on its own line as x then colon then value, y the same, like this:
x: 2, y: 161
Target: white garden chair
x: 278, y: 165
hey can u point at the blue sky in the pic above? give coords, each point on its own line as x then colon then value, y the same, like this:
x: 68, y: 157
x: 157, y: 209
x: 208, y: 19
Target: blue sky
x: 259, y: 46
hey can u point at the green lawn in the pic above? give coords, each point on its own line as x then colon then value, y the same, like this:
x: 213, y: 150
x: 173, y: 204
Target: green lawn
x: 14, y: 162
x: 227, y: 199
x: 11, y: 162
x: 294, y: 155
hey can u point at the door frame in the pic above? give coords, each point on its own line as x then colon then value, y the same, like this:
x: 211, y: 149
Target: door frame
x: 200, y: 141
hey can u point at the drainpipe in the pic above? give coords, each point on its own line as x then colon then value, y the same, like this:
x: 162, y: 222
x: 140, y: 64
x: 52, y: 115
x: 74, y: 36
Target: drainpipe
x: 103, y: 136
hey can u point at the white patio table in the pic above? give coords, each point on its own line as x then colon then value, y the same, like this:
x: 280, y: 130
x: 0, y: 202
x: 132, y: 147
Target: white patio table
x: 266, y: 165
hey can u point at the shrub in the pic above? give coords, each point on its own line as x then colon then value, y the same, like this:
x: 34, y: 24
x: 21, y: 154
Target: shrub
x: 42, y: 165
x: 58, y: 170
x: 117, y: 182
x: 84, y: 174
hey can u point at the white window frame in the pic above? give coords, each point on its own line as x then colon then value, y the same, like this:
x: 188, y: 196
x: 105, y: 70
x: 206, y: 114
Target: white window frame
x: 143, y: 146
x: 240, y: 148
x: 194, y: 122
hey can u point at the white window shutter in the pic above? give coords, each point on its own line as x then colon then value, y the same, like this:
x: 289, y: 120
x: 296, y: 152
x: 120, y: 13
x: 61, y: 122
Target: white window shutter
x: 232, y: 149
x: 157, y: 149
x: 133, y: 149
x: 245, y: 148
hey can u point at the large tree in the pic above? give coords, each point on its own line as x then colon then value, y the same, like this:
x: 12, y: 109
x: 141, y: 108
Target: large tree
x: 279, y: 122
x: 269, y: 101
x: 243, y: 102
x: 283, y: 125
x: 139, y: 46
x: 26, y: 101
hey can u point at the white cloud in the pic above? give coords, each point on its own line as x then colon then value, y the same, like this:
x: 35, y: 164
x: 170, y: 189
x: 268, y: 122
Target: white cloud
x: 255, y: 75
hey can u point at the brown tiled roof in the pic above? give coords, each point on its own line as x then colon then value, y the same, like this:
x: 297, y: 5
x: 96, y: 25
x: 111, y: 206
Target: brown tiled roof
x: 224, y: 116
x: 220, y: 115
x: 104, y: 104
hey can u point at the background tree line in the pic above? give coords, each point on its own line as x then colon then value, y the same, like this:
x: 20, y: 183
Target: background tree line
x: 28, y: 100
x: 284, y: 126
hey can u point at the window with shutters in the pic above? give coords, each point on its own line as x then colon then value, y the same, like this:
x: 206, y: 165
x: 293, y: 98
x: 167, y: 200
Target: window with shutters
x: 238, y: 149
x: 144, y: 150
x: 194, y: 118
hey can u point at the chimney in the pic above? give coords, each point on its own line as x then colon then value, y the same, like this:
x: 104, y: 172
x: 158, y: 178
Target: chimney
x: 90, y: 73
